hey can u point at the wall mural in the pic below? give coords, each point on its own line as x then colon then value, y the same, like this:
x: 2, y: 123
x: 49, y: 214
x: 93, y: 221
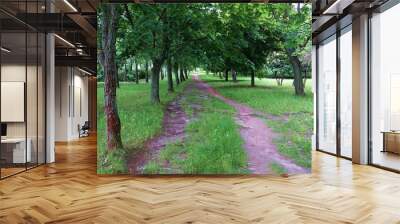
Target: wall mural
x: 204, y: 89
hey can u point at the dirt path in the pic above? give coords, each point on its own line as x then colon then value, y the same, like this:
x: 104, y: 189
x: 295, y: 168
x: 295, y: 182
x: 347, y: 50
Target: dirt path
x: 258, y: 137
x: 174, y: 123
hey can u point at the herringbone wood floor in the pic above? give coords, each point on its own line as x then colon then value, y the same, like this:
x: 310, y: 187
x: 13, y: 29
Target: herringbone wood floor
x: 69, y: 191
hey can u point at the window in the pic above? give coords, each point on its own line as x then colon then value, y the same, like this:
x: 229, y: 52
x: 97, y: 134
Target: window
x: 327, y: 95
x: 346, y: 92
x: 385, y: 89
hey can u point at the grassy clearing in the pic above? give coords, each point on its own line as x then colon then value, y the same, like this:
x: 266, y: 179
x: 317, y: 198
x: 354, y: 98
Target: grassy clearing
x: 268, y: 97
x: 140, y: 120
x: 213, y: 144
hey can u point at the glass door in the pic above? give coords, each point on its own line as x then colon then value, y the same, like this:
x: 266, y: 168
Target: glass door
x: 22, y: 91
x: 14, y: 155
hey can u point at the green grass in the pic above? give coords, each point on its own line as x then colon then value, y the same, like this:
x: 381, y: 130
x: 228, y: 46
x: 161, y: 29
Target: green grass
x: 213, y: 144
x: 268, y: 97
x: 140, y: 120
x: 208, y: 103
x: 295, y: 138
x: 277, y: 168
x: 152, y: 168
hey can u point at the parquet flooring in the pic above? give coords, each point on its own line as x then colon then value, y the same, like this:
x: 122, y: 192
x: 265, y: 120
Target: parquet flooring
x: 10, y: 171
x: 69, y: 191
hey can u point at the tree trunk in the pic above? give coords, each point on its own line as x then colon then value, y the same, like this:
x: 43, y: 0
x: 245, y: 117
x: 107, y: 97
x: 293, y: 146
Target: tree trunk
x: 131, y: 70
x: 169, y: 76
x: 253, y: 74
x: 147, y: 72
x: 226, y: 74
x: 136, y: 72
x: 298, y: 78
x: 162, y: 73
x: 186, y: 74
x: 220, y: 75
x: 110, y: 78
x: 158, y: 62
x: 176, y: 68
x: 155, y: 81
x: 117, y: 76
x: 126, y: 72
x: 234, y: 75
x: 305, y: 77
x: 182, y: 75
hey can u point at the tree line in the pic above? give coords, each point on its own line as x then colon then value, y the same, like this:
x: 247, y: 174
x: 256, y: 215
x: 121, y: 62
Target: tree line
x: 150, y: 42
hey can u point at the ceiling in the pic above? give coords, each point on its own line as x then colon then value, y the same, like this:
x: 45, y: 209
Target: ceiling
x: 330, y: 15
x: 73, y: 21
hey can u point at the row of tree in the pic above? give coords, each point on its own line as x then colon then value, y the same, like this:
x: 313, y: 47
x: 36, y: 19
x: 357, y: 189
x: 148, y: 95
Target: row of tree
x: 246, y: 39
x: 132, y: 71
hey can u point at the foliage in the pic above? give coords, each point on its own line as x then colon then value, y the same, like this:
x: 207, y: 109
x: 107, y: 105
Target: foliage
x: 295, y: 39
x: 277, y: 66
x: 215, y: 37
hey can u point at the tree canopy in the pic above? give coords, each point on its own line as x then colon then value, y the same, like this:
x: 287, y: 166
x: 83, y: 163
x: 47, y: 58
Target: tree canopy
x: 267, y: 40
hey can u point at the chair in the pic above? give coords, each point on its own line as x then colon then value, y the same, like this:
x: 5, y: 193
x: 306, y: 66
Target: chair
x: 84, y: 130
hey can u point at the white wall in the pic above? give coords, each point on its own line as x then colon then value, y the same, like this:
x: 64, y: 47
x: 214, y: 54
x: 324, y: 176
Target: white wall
x: 71, y: 87
x: 61, y: 103
x: 80, y: 94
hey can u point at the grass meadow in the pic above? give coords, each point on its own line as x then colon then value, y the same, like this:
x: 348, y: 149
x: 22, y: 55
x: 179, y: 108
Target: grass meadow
x: 205, y: 150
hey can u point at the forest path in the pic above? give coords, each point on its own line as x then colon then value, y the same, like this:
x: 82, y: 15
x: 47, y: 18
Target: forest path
x: 173, y: 129
x: 258, y: 137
